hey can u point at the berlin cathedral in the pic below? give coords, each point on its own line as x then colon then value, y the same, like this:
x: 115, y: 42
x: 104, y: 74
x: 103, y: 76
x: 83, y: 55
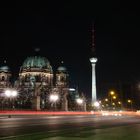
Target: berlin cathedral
x: 35, y: 83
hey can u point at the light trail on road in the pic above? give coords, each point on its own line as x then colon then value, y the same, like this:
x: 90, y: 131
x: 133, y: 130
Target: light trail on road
x: 40, y: 122
x: 23, y: 125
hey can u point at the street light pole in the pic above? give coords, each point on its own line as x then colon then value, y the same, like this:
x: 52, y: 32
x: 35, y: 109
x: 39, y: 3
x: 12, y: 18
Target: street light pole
x: 53, y: 99
x: 11, y: 94
x: 79, y: 102
x: 130, y: 101
x: 112, y: 96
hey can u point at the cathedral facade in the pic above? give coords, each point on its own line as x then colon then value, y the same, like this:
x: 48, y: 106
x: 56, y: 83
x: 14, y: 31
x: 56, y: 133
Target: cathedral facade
x: 35, y: 83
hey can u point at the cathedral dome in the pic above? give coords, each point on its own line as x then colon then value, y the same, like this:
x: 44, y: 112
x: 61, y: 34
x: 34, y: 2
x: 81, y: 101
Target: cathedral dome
x: 4, y: 69
x: 36, y: 62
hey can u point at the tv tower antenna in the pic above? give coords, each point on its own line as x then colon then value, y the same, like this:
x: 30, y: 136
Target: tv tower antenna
x: 93, y: 41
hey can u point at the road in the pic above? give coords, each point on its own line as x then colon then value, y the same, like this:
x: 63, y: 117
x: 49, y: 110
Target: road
x: 71, y: 127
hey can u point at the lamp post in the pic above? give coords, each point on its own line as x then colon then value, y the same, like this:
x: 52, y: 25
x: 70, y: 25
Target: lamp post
x: 112, y: 92
x: 96, y: 105
x: 106, y: 100
x: 11, y: 94
x: 130, y: 102
x: 54, y: 98
x: 79, y: 102
x: 120, y: 104
x: 112, y: 96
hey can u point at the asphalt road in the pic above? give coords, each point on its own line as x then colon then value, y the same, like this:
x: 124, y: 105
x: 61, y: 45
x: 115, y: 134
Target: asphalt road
x: 73, y: 127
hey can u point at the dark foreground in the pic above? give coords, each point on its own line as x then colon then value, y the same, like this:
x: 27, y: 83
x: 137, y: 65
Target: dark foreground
x: 86, y: 127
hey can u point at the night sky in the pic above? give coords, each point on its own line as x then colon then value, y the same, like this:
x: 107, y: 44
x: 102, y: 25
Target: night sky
x: 62, y: 31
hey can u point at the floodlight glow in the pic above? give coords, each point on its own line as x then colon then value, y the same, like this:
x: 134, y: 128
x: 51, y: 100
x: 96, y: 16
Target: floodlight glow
x: 54, y: 97
x: 8, y: 93
x: 96, y: 104
x: 14, y: 93
x: 79, y: 101
x: 11, y: 93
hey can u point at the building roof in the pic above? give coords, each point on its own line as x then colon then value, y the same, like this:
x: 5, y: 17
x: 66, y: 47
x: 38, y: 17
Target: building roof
x: 36, y: 62
x: 4, y: 69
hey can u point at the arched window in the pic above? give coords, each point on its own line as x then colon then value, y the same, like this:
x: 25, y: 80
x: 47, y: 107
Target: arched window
x: 37, y: 77
x: 62, y: 79
x: 3, y: 78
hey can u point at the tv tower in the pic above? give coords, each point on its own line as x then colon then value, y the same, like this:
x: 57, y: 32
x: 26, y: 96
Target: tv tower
x: 93, y: 61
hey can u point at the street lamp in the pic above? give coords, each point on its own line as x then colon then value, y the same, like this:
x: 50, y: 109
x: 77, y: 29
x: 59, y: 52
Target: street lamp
x: 119, y: 103
x: 112, y: 92
x: 53, y: 99
x: 11, y: 94
x: 130, y: 102
x: 113, y: 104
x: 106, y: 100
x: 79, y: 101
x: 96, y: 104
x: 114, y: 97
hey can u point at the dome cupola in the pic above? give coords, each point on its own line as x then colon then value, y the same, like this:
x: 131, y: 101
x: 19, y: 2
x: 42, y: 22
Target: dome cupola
x: 34, y: 63
x: 4, y: 69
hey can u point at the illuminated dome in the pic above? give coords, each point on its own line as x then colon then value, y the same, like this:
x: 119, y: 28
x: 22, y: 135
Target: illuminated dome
x: 36, y: 62
x: 4, y: 69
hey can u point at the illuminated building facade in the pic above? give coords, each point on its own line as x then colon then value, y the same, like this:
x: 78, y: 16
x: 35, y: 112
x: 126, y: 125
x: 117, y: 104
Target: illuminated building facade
x: 5, y: 76
x: 36, y: 82
x: 36, y: 70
